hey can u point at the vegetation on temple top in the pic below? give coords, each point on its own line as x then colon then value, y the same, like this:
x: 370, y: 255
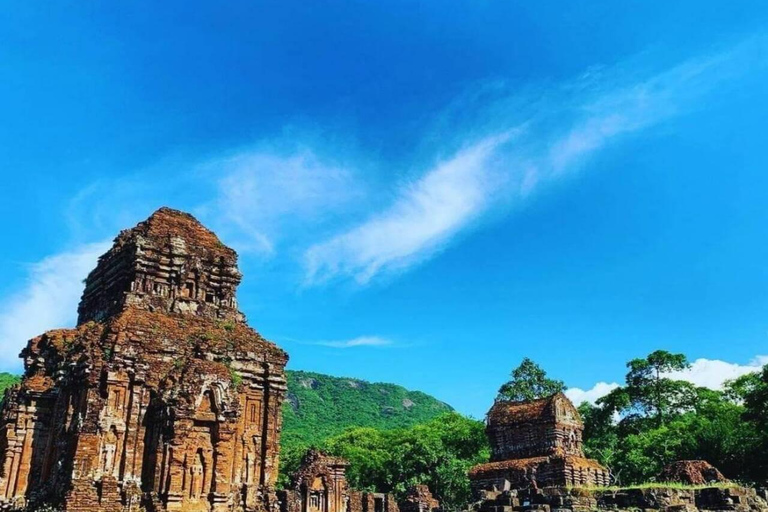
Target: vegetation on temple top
x: 529, y: 382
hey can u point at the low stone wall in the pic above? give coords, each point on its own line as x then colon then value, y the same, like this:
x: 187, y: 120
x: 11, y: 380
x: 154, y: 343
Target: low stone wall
x: 736, y: 499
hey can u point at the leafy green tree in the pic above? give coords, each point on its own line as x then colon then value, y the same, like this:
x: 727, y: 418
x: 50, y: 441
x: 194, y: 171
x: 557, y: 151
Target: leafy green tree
x: 368, y: 452
x: 529, y: 382
x: 601, y: 435
x: 756, y: 399
x: 740, y: 388
x: 438, y: 453
x: 6, y: 381
x: 653, y: 420
x: 651, y: 393
x: 718, y: 434
x: 756, y: 415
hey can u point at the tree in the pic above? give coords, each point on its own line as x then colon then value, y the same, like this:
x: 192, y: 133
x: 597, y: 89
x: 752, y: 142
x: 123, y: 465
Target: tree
x: 601, y: 435
x: 6, y: 381
x: 740, y: 388
x: 756, y: 415
x: 438, y: 453
x: 651, y: 393
x: 529, y: 382
x: 756, y: 399
x: 654, y: 419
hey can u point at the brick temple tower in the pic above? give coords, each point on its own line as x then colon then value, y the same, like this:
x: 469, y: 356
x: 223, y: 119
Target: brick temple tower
x: 161, y: 397
x: 536, y: 443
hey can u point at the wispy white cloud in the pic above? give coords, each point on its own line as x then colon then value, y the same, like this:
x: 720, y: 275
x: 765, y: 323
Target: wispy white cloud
x: 263, y: 194
x: 360, y: 341
x: 254, y: 197
x: 48, y: 299
x: 708, y: 373
x: 426, y: 213
x: 504, y: 147
x: 566, y: 128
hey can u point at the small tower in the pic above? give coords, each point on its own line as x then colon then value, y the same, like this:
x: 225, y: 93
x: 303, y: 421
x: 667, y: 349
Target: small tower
x: 536, y: 443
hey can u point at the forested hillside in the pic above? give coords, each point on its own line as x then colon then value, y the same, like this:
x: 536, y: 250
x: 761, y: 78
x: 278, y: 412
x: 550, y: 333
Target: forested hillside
x: 365, y: 421
x: 319, y: 406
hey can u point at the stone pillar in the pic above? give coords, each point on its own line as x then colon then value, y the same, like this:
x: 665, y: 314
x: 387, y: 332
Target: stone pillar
x: 133, y: 448
x: 175, y: 462
x: 222, y: 471
x: 11, y: 463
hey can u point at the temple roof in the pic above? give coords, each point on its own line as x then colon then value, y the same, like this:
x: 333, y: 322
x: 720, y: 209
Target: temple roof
x: 169, y: 262
x: 166, y: 223
x: 505, y: 413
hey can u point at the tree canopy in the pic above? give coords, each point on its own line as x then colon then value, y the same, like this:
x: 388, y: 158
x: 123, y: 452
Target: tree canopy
x: 529, y: 382
x: 438, y: 453
x: 653, y: 394
x: 6, y: 381
x: 655, y: 419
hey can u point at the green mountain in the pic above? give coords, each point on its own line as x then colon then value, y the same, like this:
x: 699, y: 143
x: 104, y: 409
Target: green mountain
x: 319, y: 406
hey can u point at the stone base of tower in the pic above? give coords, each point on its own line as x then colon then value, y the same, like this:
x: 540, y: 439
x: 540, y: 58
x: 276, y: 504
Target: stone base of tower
x: 537, y: 472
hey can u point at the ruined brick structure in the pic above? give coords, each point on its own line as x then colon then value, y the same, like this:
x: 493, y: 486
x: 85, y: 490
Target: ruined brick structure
x: 320, y: 485
x: 691, y: 472
x: 419, y: 499
x: 656, y: 499
x: 161, y: 397
x: 536, y: 443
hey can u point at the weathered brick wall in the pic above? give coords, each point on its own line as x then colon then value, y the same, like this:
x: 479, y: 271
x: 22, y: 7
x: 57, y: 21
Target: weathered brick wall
x: 419, y: 499
x: 547, y: 426
x: 169, y: 263
x: 538, y: 472
x: 355, y: 501
x: 290, y: 500
x: 736, y: 499
x: 320, y: 485
x: 320, y: 479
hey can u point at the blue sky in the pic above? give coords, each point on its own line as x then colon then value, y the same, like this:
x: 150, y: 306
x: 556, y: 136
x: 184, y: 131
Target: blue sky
x: 420, y: 192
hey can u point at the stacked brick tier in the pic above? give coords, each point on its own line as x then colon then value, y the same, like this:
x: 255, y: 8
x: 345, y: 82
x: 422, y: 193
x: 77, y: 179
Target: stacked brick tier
x: 168, y: 263
x: 161, y: 397
x: 538, y: 471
